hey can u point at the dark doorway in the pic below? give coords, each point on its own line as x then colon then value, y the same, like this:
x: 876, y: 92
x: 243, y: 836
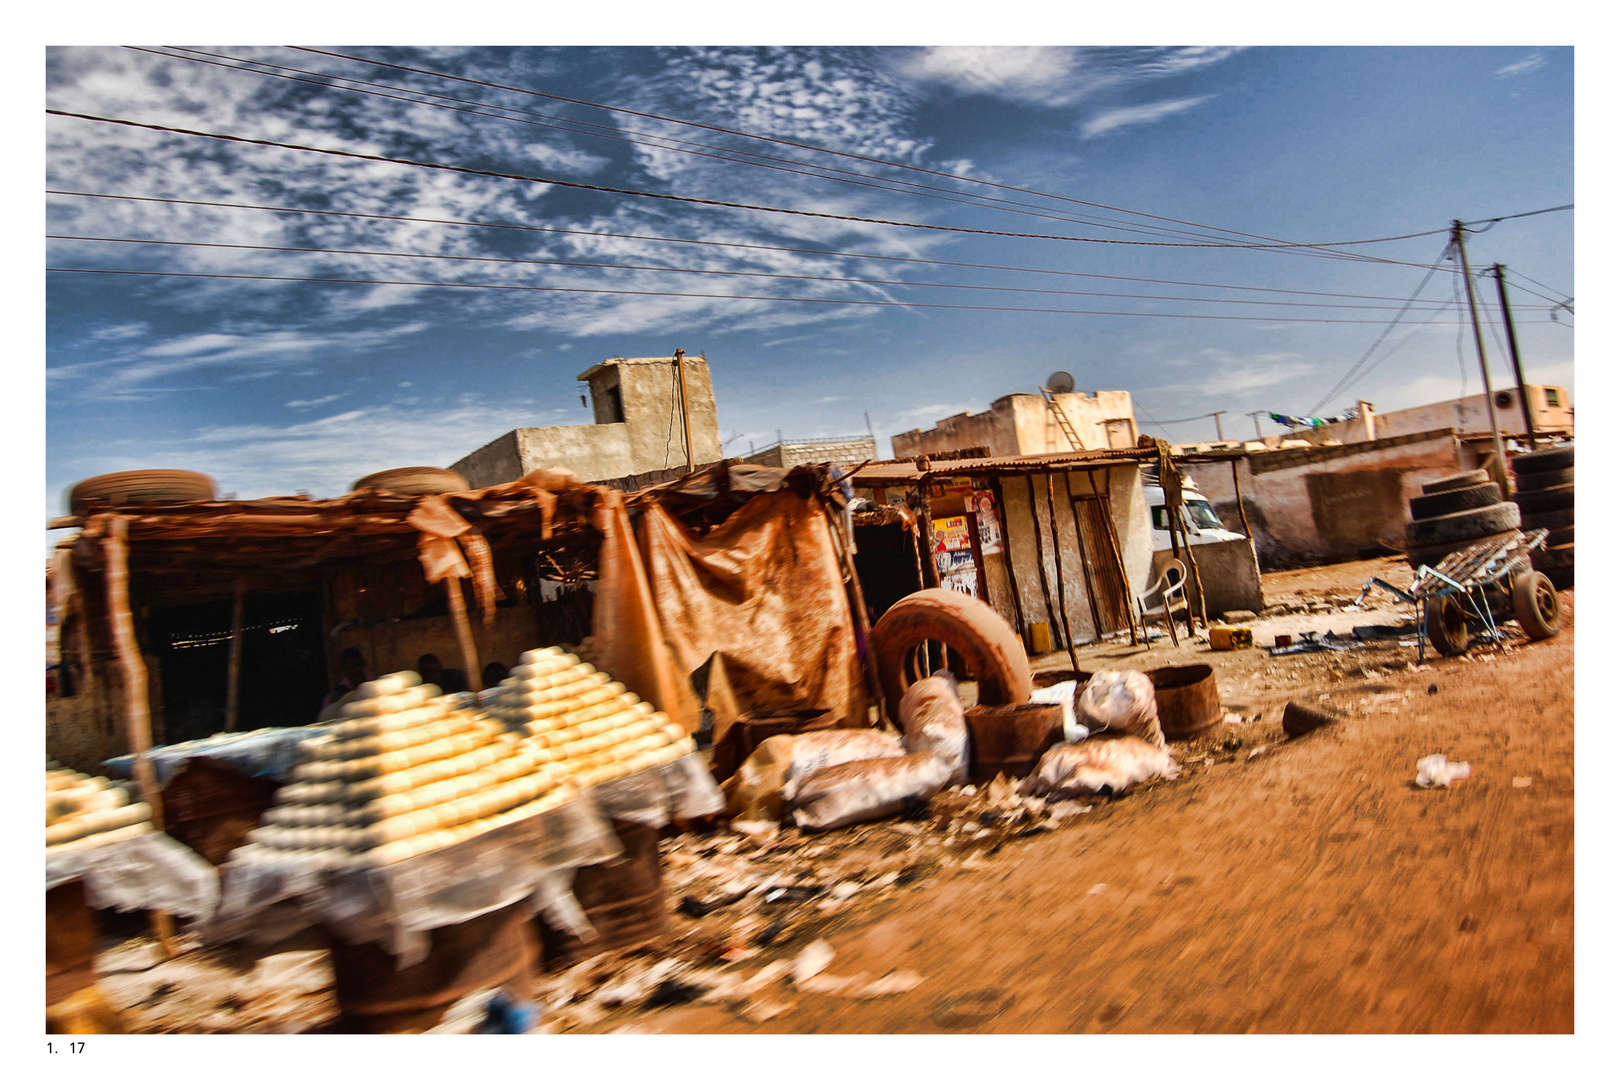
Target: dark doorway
x: 886, y: 560
x: 283, y: 663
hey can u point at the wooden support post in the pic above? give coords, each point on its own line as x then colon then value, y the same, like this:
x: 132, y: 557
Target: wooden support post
x: 1237, y: 493
x: 137, y: 714
x: 856, y: 597
x: 686, y: 416
x: 1006, y: 550
x: 1040, y: 550
x: 1085, y: 563
x: 1057, y: 558
x: 1113, y: 546
x: 926, y: 534
x: 464, y: 638
x: 233, y: 676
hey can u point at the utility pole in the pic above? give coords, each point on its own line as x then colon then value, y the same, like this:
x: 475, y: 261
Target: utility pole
x: 1219, y: 436
x: 686, y: 418
x: 1255, y: 416
x: 1513, y: 349
x: 1499, y: 473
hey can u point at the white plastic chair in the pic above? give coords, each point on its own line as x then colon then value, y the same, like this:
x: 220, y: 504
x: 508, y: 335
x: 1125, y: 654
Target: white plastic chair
x: 1166, y: 598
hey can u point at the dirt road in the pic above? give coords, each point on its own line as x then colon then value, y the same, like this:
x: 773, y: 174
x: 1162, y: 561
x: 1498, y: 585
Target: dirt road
x: 1311, y: 888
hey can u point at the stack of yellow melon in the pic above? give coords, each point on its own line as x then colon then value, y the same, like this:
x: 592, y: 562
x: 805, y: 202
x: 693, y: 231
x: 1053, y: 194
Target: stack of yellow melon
x: 89, y: 811
x: 404, y: 772
x: 581, y: 720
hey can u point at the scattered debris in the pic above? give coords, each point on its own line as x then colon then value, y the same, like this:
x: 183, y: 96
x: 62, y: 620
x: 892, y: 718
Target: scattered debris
x: 1299, y: 718
x: 1436, y: 771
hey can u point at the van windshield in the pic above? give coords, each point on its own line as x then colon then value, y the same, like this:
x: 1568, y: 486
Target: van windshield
x: 1202, y: 516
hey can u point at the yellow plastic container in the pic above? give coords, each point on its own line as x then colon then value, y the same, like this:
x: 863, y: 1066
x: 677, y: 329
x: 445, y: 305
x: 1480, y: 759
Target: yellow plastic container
x: 1227, y: 638
x: 1038, y: 638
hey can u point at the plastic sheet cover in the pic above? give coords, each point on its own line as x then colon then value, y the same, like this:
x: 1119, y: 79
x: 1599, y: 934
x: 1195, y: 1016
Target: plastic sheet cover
x: 269, y: 754
x: 654, y: 797
x: 152, y: 870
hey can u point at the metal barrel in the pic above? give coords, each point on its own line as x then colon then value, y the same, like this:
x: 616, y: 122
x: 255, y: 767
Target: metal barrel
x: 623, y: 900
x: 1189, y: 703
x: 1010, y: 739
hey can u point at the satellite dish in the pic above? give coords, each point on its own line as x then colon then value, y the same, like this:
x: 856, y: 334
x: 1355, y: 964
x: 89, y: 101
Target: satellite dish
x: 1060, y: 382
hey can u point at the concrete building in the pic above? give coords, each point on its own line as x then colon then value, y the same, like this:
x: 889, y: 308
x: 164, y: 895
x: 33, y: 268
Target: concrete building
x: 1023, y: 424
x: 636, y: 406
x: 1550, y: 408
x: 847, y: 452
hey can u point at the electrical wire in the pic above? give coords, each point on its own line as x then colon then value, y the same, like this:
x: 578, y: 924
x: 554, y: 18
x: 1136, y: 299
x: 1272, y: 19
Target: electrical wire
x: 1395, y: 348
x: 664, y: 196
x: 915, y: 260
x: 1491, y: 223
x: 695, y: 295
x: 645, y: 267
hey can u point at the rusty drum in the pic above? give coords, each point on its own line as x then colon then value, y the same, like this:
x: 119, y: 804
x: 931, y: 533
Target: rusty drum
x: 494, y: 949
x: 1010, y: 739
x: 623, y: 900
x: 1189, y: 703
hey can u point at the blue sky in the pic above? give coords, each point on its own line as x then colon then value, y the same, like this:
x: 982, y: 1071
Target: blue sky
x: 277, y: 386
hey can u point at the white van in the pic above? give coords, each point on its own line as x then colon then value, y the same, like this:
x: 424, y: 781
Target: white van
x: 1203, y: 527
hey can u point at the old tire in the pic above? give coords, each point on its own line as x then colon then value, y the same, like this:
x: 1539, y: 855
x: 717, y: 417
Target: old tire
x: 1463, y: 525
x: 414, y: 480
x: 1548, y: 519
x: 1559, y: 457
x: 1460, y: 480
x: 1446, y: 624
x: 1535, y: 605
x: 141, y: 486
x: 1558, y: 537
x: 970, y: 628
x: 1536, y: 481
x: 1553, y: 498
x: 1433, y: 553
x: 1449, y: 502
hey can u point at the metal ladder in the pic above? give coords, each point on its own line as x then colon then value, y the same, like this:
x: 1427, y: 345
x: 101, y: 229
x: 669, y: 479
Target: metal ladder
x: 1062, y: 419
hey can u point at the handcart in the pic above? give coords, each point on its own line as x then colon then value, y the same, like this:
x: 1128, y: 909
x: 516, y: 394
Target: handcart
x: 1470, y: 592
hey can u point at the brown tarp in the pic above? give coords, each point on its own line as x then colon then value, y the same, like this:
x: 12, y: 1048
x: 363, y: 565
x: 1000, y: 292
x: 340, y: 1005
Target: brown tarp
x: 761, y: 594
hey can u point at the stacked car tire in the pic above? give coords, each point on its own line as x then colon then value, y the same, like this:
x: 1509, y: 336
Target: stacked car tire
x: 1454, y: 513
x: 1545, y: 495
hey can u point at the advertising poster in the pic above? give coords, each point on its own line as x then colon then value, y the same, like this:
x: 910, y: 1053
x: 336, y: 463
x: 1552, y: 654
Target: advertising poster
x: 984, y: 509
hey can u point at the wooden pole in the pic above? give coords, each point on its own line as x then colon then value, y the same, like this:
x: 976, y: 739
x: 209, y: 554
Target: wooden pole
x: 464, y: 638
x: 1057, y: 559
x: 1006, y: 551
x: 1237, y: 493
x: 926, y: 515
x: 1113, y: 546
x: 1080, y: 546
x: 1499, y: 471
x: 233, y: 678
x: 137, y: 714
x: 686, y: 416
x: 857, y: 600
x: 1513, y: 350
x: 1040, y: 551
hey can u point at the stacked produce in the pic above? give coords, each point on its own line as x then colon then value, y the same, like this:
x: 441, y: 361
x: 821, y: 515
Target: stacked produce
x: 578, y: 719
x: 89, y: 811
x: 405, y: 771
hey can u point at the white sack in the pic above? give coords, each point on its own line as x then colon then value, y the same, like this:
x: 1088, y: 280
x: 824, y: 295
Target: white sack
x: 931, y: 716
x: 1098, y: 766
x: 864, y: 790
x: 1123, y: 701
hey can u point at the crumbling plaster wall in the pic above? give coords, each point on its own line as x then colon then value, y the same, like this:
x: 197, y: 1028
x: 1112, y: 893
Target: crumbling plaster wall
x: 1022, y: 424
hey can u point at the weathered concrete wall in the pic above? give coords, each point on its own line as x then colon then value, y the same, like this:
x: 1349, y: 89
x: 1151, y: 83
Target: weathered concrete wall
x: 1023, y: 424
x: 1466, y: 415
x: 650, y: 398
x: 1328, y: 503
x: 496, y: 462
x: 836, y: 452
x: 592, y: 451
x: 1229, y: 572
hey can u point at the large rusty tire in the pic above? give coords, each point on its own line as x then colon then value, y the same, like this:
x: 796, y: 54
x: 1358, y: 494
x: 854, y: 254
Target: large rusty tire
x: 1548, y: 519
x: 1535, y: 481
x: 1535, y: 605
x: 1558, y: 457
x: 1446, y: 623
x: 413, y: 480
x: 1459, y: 480
x: 141, y: 486
x: 970, y: 628
x: 1543, y: 499
x: 1463, y: 525
x: 1471, y: 497
x: 1431, y: 555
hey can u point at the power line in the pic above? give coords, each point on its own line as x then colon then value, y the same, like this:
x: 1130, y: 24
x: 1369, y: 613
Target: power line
x: 739, y: 157
x: 583, y: 264
x: 715, y: 296
x: 916, y: 260
x: 1490, y: 222
x: 1533, y: 281
x: 603, y: 188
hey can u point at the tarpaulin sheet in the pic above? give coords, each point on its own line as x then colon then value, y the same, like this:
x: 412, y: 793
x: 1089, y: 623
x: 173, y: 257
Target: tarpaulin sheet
x: 395, y: 906
x: 149, y: 871
x: 762, y: 594
x: 654, y: 797
x: 269, y: 754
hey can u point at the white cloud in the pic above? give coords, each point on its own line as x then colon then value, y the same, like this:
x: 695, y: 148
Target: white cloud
x: 1522, y: 67
x: 121, y: 332
x: 567, y: 160
x: 314, y: 402
x: 1137, y: 115
x: 1049, y: 75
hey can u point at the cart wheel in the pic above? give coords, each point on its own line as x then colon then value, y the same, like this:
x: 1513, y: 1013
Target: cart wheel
x: 1535, y: 605
x: 1447, y: 626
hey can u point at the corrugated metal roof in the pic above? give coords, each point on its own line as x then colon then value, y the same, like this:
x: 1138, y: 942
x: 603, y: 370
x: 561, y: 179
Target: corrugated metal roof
x: 906, y: 471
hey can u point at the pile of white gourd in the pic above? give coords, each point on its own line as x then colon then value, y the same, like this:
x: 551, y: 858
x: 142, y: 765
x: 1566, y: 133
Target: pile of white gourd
x: 580, y: 719
x: 408, y: 770
x: 89, y: 811
x: 404, y: 772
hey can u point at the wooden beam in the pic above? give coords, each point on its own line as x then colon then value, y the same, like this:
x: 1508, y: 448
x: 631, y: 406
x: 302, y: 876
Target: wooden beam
x: 137, y: 717
x: 233, y: 674
x: 1006, y: 552
x: 1057, y: 558
x: 1040, y: 550
x: 464, y: 638
x: 1237, y: 493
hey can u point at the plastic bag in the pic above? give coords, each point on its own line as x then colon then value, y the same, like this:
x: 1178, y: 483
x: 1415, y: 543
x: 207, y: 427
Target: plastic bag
x: 931, y: 716
x: 1098, y: 766
x: 864, y: 790
x: 754, y: 791
x: 1436, y: 771
x: 1123, y: 701
x: 1063, y: 694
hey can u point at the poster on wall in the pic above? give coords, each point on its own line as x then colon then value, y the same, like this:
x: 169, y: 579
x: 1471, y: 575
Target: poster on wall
x: 962, y: 581
x: 953, y: 546
x: 984, y: 509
